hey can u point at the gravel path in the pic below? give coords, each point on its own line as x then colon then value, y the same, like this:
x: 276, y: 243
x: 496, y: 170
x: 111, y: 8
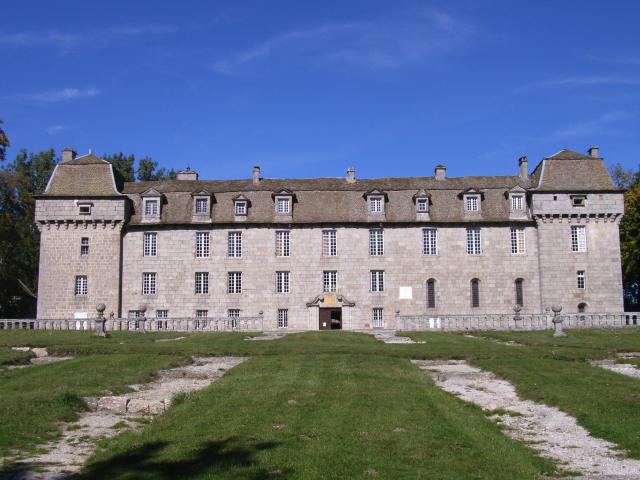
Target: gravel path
x: 627, y: 369
x: 509, y: 343
x: 42, y: 357
x: 111, y: 415
x: 553, y: 433
x: 266, y: 336
x: 389, y: 336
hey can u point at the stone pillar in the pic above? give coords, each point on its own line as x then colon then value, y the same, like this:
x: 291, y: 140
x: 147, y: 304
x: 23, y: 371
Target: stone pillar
x: 517, y: 309
x: 143, y: 310
x: 557, y: 321
x: 101, y: 330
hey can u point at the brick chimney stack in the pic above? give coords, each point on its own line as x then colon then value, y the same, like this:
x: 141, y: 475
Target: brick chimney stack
x: 68, y: 154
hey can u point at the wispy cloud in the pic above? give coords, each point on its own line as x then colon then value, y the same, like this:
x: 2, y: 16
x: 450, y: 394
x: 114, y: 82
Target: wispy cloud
x: 584, y: 81
x: 393, y: 43
x: 57, y: 96
x: 596, y: 126
x: 55, y: 129
x: 617, y: 60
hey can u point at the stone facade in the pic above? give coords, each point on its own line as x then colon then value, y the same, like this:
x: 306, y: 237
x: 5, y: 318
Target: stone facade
x: 118, y: 221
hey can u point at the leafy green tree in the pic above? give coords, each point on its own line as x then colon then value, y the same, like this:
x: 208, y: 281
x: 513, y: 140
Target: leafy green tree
x: 148, y: 171
x: 123, y: 164
x: 4, y: 142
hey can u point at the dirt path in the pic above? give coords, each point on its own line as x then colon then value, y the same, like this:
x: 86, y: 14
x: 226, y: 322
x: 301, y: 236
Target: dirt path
x: 627, y: 369
x: 509, y: 343
x: 553, y: 433
x: 42, y: 357
x: 389, y: 336
x: 111, y: 415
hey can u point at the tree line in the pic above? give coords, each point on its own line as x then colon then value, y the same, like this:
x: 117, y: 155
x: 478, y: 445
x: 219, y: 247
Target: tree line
x: 29, y: 173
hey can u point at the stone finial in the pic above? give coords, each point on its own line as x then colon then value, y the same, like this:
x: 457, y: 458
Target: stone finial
x: 440, y: 172
x: 68, y: 154
x: 142, y: 308
x: 100, y: 308
x: 594, y: 151
x: 523, y: 163
x: 351, y: 175
x: 256, y: 174
x: 557, y: 321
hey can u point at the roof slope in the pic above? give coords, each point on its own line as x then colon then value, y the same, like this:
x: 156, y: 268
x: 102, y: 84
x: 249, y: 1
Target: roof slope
x: 568, y: 170
x: 86, y: 176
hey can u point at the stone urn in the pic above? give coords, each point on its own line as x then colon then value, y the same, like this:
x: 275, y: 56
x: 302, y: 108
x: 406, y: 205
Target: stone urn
x: 557, y: 321
x: 101, y: 330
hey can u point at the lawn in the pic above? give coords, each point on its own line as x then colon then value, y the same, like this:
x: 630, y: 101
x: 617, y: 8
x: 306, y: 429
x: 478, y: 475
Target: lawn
x: 360, y: 409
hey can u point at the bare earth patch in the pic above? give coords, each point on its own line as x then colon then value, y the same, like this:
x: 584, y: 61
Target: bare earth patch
x: 111, y: 415
x: 551, y: 432
x: 389, y: 336
x: 509, y: 343
x: 627, y: 369
x: 269, y: 336
x: 42, y: 357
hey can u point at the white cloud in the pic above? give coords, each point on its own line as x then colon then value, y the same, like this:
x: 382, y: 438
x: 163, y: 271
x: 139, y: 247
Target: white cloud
x: 57, y: 96
x: 55, y: 129
x: 394, y: 43
x: 599, y: 125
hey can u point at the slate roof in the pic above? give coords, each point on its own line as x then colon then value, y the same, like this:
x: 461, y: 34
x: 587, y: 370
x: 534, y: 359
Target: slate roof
x: 571, y: 171
x: 86, y: 176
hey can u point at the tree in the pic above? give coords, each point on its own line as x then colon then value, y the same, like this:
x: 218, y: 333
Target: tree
x: 4, y: 142
x: 147, y: 171
x: 123, y: 164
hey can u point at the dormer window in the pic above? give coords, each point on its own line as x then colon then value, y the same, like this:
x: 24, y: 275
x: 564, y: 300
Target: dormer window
x: 472, y: 203
x: 422, y: 205
x: 517, y: 202
x: 283, y: 205
x: 241, y: 207
x: 376, y: 205
x: 202, y: 206
x: 578, y: 200
x: 151, y: 207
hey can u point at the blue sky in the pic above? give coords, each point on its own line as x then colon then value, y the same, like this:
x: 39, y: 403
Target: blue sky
x: 306, y: 89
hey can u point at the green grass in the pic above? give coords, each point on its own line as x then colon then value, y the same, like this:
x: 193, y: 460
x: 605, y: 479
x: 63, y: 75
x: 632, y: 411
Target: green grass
x: 13, y: 357
x: 351, y: 393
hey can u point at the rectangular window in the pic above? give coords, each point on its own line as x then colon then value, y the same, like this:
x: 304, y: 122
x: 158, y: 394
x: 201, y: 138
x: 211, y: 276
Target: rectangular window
x: 283, y: 205
x: 81, y: 286
x: 474, y: 242
x: 234, y: 282
x: 578, y: 200
x: 431, y: 293
x: 581, y: 279
x: 234, y: 243
x: 376, y: 242
x: 202, y: 313
x: 472, y: 203
x: 84, y: 247
x: 475, y: 293
x: 241, y: 208
x: 378, y: 318
x: 233, y: 314
x: 517, y: 202
x: 151, y: 208
x: 375, y: 204
x: 282, y: 282
x: 149, y: 248
x: 377, y: 280
x: 202, y: 205
x: 134, y: 314
x: 149, y: 283
x: 519, y: 285
x: 329, y: 243
x: 283, y: 318
x: 517, y: 240
x: 84, y: 209
x: 329, y: 281
x: 283, y: 243
x: 162, y: 313
x: 429, y: 241
x: 202, y: 282
x: 202, y: 244
x: 422, y: 205
x: 578, y: 238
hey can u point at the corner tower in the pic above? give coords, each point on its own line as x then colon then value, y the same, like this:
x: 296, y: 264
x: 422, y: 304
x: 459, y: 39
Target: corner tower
x: 80, y: 216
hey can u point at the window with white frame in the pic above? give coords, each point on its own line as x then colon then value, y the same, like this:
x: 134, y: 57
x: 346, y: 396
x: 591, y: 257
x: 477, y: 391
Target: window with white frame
x: 234, y: 282
x: 241, y: 207
x: 517, y: 202
x: 149, y: 283
x: 517, y: 240
x: 202, y: 244
x: 376, y: 204
x: 378, y: 318
x: 578, y: 200
x: 202, y: 206
x: 151, y: 207
x: 431, y: 293
x: 283, y: 244
x: 162, y: 313
x: 475, y: 293
x: 283, y: 318
x: 472, y: 203
x: 84, y: 209
x: 329, y: 281
x: 202, y: 313
x: 282, y: 282
x: 329, y: 243
x: 519, y: 291
x: 134, y: 314
x: 474, y: 241
x: 81, y: 285
x: 283, y: 205
x: 234, y: 244
x: 578, y: 238
x: 149, y: 244
x: 202, y: 282
x: 84, y: 247
x: 429, y: 241
x: 377, y: 280
x: 233, y: 314
x: 376, y: 242
x: 581, y: 279
x: 422, y: 205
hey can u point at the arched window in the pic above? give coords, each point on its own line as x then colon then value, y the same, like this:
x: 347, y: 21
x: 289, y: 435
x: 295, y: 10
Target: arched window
x: 582, y: 308
x: 475, y: 292
x: 431, y: 293
x: 519, y: 284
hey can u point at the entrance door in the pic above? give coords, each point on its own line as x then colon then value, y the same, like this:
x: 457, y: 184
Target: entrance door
x: 330, y: 319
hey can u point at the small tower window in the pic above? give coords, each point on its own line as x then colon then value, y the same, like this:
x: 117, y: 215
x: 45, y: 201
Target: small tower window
x: 84, y: 247
x: 84, y: 209
x: 475, y: 293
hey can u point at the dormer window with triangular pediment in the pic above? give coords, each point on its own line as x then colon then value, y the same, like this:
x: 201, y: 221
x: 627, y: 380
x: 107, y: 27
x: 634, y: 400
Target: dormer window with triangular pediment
x: 517, y: 198
x: 472, y: 198
x: 376, y: 200
x: 151, y: 205
x: 241, y: 206
x: 283, y: 200
x: 202, y: 205
x: 422, y: 200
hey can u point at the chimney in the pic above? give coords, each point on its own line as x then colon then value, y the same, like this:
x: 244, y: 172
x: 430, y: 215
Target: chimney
x: 594, y: 152
x: 523, y: 162
x: 441, y: 172
x: 186, y: 174
x: 68, y: 154
x: 351, y: 175
x: 256, y: 174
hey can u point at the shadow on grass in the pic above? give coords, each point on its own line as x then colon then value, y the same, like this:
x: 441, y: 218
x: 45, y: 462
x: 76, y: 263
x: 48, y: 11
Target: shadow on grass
x: 146, y: 462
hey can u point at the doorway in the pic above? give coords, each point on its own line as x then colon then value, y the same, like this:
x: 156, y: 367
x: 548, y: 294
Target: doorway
x: 330, y: 319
